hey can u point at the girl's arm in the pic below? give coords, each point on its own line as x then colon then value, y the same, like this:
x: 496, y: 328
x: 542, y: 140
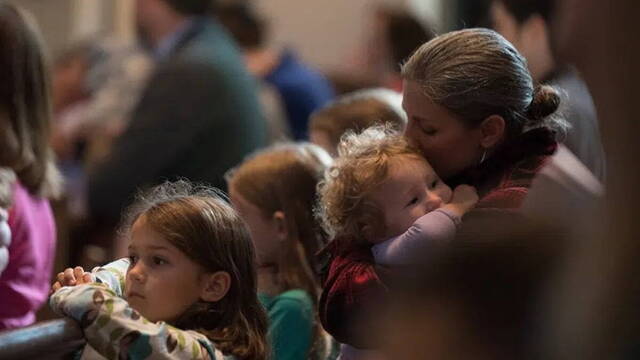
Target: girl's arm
x: 115, y: 330
x: 436, y: 226
x: 407, y: 248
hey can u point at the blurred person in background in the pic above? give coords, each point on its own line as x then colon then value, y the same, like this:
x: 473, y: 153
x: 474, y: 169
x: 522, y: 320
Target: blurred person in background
x: 356, y: 112
x: 233, y: 16
x: 29, y: 177
x: 392, y: 34
x: 525, y: 23
x: 602, y: 272
x: 301, y: 88
x: 197, y: 117
x: 95, y: 86
x: 396, y: 34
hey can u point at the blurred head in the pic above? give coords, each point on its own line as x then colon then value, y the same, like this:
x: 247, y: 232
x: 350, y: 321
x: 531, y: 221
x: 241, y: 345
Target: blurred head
x: 576, y: 26
x: 152, y: 16
x: 192, y: 264
x: 356, y: 112
x: 69, y: 73
x: 378, y: 186
x: 245, y: 26
x: 525, y: 24
x: 403, y: 33
x: 25, y: 110
x: 466, y: 93
x: 275, y: 193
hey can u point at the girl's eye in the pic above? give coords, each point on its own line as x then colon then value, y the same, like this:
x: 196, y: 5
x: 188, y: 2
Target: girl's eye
x: 133, y: 259
x: 434, y: 183
x: 159, y: 261
x: 413, y: 201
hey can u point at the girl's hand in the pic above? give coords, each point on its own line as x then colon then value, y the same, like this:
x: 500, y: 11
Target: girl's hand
x: 71, y: 277
x: 464, y: 199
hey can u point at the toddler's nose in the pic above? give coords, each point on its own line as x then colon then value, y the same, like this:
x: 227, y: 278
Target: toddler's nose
x: 433, y: 201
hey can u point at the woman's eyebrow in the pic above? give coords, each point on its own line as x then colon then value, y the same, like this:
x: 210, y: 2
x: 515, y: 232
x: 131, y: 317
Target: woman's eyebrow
x: 157, y: 247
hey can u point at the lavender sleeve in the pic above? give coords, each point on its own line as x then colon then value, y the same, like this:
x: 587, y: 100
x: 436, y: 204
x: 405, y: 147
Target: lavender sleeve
x: 436, y: 226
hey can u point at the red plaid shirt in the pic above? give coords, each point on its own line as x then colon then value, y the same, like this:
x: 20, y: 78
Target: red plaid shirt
x: 352, y: 283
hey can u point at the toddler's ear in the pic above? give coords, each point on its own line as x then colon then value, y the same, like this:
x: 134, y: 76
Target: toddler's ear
x: 369, y: 233
x: 215, y: 286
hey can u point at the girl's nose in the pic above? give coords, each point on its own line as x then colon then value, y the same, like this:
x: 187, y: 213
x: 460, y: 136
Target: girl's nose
x: 136, y: 273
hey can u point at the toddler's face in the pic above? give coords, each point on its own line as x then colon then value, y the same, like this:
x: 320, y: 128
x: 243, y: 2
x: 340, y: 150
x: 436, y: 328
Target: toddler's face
x: 411, y: 190
x: 162, y: 282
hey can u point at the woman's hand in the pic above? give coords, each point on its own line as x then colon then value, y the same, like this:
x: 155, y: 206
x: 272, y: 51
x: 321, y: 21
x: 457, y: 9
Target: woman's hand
x: 71, y: 277
x: 464, y: 198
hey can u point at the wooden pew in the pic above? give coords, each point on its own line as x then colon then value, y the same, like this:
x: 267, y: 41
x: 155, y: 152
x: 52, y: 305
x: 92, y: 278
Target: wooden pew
x: 54, y: 339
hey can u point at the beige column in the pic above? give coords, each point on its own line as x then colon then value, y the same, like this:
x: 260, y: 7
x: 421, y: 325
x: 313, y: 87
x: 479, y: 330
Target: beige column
x: 124, y: 19
x: 87, y: 18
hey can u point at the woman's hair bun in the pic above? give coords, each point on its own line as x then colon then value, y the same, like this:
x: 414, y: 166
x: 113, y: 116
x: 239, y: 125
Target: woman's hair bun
x: 546, y: 101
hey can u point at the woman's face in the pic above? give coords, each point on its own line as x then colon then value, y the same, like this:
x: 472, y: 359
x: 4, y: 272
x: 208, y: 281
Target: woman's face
x: 446, y: 142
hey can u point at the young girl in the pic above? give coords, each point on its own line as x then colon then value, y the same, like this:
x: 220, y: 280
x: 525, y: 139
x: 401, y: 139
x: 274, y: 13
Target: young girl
x: 382, y: 192
x: 275, y: 191
x: 187, y: 290
x: 28, y: 177
x: 383, y: 195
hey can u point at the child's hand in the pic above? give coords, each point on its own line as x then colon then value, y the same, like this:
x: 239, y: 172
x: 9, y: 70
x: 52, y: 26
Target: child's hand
x: 71, y: 277
x: 464, y: 199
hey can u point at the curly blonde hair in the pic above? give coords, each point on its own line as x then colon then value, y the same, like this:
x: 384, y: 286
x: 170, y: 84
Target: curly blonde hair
x: 345, y: 208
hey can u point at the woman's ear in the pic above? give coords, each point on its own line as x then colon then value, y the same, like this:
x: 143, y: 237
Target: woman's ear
x: 215, y: 286
x: 492, y: 131
x: 280, y: 222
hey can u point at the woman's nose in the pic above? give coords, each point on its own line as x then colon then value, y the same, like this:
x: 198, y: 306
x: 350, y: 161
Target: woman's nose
x: 410, y: 132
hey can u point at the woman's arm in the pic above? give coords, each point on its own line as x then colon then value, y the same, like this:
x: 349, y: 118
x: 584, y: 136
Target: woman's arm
x: 116, y: 330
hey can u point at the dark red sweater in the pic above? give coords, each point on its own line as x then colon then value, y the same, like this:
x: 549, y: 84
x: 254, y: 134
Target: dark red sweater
x: 352, y: 283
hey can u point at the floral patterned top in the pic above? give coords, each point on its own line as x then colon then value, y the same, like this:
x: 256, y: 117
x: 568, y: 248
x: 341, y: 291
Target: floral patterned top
x: 114, y: 330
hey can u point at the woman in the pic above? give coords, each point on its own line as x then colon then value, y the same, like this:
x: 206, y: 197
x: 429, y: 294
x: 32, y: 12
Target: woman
x: 478, y: 119
x: 24, y: 150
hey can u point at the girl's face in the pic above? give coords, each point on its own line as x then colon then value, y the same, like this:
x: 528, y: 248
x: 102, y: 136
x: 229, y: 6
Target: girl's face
x: 263, y: 230
x: 162, y: 282
x: 411, y: 190
x: 445, y: 141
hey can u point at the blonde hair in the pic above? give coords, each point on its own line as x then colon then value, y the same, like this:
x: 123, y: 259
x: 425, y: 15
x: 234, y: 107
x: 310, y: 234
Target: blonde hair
x: 199, y: 222
x: 284, y: 178
x: 358, y: 111
x: 25, y: 110
x: 362, y: 165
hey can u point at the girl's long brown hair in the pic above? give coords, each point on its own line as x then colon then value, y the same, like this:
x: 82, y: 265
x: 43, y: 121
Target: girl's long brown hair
x: 25, y: 110
x: 284, y: 178
x: 198, y: 222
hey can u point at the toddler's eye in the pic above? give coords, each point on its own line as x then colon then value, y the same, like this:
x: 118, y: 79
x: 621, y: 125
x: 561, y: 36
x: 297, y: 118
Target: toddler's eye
x: 413, y: 201
x: 434, y: 183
